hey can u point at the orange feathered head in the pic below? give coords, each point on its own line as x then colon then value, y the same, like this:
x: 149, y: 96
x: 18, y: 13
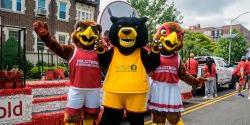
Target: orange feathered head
x: 170, y: 34
x: 86, y: 33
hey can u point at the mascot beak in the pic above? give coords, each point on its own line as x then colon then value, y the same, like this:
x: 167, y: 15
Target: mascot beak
x: 87, y: 37
x: 170, y: 42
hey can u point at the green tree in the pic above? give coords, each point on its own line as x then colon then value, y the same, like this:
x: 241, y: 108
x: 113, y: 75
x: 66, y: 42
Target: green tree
x: 238, y: 47
x: 157, y: 11
x: 197, y: 43
x: 10, y: 53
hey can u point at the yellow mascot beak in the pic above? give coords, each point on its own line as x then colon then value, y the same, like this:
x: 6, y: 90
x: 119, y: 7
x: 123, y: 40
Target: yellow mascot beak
x: 87, y: 37
x: 170, y: 42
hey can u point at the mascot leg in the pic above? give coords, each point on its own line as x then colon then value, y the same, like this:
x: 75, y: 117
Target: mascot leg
x: 71, y: 119
x: 174, y: 118
x: 135, y: 118
x: 89, y: 119
x: 158, y: 118
x: 111, y: 116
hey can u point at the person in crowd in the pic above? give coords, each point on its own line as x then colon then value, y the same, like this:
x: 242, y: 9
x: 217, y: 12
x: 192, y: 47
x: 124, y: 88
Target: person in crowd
x: 247, y: 73
x: 215, y: 84
x: 210, y: 75
x: 192, y: 68
x: 239, y: 75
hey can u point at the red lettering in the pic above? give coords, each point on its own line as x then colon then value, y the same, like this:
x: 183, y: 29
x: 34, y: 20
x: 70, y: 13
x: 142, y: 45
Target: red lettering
x: 18, y: 107
x: 4, y: 112
x: 9, y: 109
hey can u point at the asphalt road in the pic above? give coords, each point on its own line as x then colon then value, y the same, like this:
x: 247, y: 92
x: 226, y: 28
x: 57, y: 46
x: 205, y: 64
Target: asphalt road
x: 227, y: 109
x: 230, y: 110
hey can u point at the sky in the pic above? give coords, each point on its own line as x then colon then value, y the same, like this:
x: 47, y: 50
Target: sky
x: 208, y: 13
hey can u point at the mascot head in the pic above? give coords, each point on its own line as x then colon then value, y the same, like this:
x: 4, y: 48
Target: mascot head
x: 86, y: 33
x: 128, y: 33
x: 170, y: 34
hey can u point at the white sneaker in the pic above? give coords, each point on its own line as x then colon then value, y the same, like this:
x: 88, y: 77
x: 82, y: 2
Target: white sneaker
x: 248, y: 97
x: 215, y: 95
x: 205, y: 98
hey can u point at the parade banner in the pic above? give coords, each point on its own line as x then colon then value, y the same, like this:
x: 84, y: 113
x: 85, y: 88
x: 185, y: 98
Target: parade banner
x: 15, y: 106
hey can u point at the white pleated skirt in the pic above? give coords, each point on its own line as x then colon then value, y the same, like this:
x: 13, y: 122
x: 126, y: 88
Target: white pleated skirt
x: 165, y: 97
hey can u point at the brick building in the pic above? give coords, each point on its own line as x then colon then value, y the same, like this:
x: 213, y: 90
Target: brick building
x: 61, y: 16
x: 217, y: 32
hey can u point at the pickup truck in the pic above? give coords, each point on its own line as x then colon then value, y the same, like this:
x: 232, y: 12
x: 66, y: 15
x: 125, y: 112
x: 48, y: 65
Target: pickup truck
x: 223, y: 70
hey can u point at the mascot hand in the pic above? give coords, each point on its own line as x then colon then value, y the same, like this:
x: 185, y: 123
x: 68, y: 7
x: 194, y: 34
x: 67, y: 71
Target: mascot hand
x: 99, y: 117
x: 201, y: 81
x: 100, y: 47
x: 155, y: 46
x: 41, y: 28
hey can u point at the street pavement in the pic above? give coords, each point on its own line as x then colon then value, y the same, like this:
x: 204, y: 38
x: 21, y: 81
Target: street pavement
x: 231, y: 110
x: 227, y: 109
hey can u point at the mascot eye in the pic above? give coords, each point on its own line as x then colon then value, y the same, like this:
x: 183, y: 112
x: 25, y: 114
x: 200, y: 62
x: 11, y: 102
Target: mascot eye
x: 163, y: 32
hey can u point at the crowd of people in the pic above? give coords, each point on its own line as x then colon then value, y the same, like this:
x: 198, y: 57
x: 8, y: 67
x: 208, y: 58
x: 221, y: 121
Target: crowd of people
x: 241, y: 75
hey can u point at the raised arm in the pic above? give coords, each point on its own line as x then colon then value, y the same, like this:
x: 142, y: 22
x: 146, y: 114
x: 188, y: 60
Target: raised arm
x: 150, y: 60
x: 63, y: 51
x: 186, y: 77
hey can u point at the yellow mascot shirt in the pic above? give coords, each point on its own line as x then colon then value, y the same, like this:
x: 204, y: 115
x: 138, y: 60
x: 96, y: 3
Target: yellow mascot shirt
x: 126, y: 74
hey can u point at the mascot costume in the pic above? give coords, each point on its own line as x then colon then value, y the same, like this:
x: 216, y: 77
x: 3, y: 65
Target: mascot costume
x: 126, y: 83
x: 165, y: 98
x: 85, y: 74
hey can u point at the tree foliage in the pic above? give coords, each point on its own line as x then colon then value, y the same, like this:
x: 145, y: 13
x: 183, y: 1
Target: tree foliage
x: 157, y: 12
x: 197, y: 43
x: 238, y: 47
x: 10, y: 53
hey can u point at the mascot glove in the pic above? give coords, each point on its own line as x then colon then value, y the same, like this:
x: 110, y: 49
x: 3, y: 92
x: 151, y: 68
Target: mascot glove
x: 201, y: 81
x: 100, y: 47
x: 41, y: 28
x: 156, y: 46
x: 99, y: 117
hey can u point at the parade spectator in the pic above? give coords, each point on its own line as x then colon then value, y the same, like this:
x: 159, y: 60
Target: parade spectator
x: 240, y: 75
x: 192, y: 65
x: 215, y: 84
x: 210, y: 75
x: 192, y: 68
x: 247, y: 73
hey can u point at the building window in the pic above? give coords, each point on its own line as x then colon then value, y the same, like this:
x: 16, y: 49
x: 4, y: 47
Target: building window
x: 42, y: 7
x: 63, y: 10
x: 62, y: 37
x: 13, y: 33
x: 6, y: 4
x: 84, y: 12
x: 18, y: 5
x: 41, y: 4
x: 12, y: 5
x: 84, y: 15
x: 39, y: 44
